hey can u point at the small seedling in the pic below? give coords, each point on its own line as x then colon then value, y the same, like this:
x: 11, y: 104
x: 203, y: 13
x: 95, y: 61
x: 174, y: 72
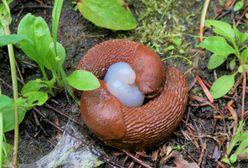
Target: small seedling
x: 238, y: 145
x: 229, y: 41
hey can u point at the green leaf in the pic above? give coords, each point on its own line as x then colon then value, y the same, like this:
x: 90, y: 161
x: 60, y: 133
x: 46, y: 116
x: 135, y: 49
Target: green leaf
x: 240, y: 141
x: 5, y: 16
x: 7, y: 152
x: 222, y: 85
x: 233, y: 158
x: 111, y: 14
x: 215, y: 61
x: 222, y: 28
x: 11, y: 39
x: 217, y: 45
x: 241, y: 37
x: 226, y: 160
x: 55, y: 21
x: 238, y: 6
x: 33, y: 85
x: 53, y: 62
x: 240, y: 69
x: 244, y: 55
x: 36, y: 29
x: 7, y: 108
x: 35, y: 98
x: 83, y: 80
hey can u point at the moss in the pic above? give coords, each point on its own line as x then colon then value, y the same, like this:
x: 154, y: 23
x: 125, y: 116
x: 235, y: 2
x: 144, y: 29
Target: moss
x: 162, y: 24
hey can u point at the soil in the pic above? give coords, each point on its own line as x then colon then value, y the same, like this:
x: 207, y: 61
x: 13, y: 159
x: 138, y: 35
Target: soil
x: 38, y: 137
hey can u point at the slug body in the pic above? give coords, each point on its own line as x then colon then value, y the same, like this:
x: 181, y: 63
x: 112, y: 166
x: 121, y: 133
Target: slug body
x: 125, y: 127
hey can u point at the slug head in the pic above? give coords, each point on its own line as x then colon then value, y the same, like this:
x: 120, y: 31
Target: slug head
x: 102, y: 114
x: 149, y: 71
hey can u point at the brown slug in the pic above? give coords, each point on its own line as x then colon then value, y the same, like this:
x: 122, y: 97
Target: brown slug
x: 140, y: 127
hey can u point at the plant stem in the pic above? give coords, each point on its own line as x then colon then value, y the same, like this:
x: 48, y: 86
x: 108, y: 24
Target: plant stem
x: 1, y: 139
x: 203, y: 16
x: 15, y: 96
x: 243, y: 91
x: 43, y: 72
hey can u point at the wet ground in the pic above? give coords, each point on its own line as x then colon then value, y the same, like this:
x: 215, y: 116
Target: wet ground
x: 199, y: 138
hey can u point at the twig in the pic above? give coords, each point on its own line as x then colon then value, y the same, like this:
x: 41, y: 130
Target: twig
x: 242, y: 16
x: 137, y: 160
x: 104, y: 158
x: 19, y: 72
x: 62, y: 114
x: 205, y: 89
x: 243, y: 92
x: 203, y: 149
x: 53, y: 124
x: 38, y: 123
x: 234, y: 115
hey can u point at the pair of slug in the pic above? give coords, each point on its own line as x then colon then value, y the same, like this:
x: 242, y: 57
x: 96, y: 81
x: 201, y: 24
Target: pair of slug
x: 134, y: 128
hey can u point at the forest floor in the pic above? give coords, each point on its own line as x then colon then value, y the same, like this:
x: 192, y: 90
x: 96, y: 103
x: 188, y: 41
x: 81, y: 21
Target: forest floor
x: 171, y: 29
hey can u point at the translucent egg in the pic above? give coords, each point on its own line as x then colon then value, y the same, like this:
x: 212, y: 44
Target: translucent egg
x: 120, y: 80
x: 120, y: 71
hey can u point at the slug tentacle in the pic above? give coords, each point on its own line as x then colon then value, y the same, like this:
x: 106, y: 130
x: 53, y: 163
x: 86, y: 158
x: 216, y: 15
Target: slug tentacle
x: 133, y: 128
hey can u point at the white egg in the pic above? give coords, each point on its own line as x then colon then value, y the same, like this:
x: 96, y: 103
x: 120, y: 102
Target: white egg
x: 120, y: 80
x: 121, y: 71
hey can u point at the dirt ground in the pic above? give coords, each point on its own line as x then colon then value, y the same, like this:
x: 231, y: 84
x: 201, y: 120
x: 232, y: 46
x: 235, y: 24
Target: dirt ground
x: 200, y: 138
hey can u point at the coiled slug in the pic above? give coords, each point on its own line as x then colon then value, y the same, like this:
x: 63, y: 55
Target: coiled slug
x: 134, y: 128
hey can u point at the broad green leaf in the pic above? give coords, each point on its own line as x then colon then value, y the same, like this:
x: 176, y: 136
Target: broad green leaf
x: 221, y: 86
x: 55, y: 20
x: 33, y: 85
x: 244, y: 55
x: 240, y: 69
x: 7, y: 108
x: 217, y: 45
x: 241, y: 37
x: 222, y: 28
x: 11, y: 39
x: 83, y: 80
x: 53, y: 62
x: 238, y: 6
x: 36, y: 29
x: 215, y: 61
x: 111, y: 14
x: 35, y: 98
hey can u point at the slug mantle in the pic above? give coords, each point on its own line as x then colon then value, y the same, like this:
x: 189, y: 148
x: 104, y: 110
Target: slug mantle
x: 133, y: 128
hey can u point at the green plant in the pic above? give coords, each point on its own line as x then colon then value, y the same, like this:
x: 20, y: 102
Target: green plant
x: 229, y: 41
x: 111, y: 14
x: 49, y: 54
x: 238, y: 145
